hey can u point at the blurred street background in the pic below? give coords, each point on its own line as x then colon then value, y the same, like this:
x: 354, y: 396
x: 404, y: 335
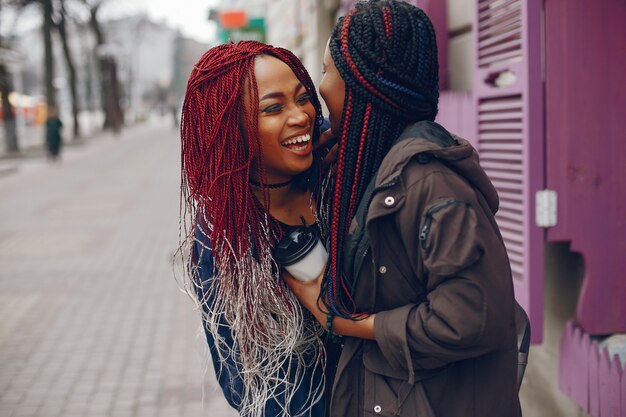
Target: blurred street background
x: 92, y: 321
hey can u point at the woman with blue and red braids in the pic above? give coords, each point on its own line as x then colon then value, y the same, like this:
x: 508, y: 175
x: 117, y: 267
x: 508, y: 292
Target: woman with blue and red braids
x: 418, y: 281
x: 249, y: 176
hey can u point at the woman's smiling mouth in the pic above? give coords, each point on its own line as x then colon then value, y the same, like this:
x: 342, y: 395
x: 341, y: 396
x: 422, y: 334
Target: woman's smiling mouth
x: 299, y: 143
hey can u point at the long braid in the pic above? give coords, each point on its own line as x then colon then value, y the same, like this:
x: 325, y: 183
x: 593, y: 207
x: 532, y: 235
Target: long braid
x: 273, y: 340
x: 386, y: 53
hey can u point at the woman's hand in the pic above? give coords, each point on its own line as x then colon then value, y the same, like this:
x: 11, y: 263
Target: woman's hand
x: 328, y: 141
x: 307, y: 292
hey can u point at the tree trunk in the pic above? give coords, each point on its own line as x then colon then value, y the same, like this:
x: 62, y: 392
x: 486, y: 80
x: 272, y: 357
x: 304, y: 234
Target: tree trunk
x: 95, y: 25
x: 71, y: 69
x: 108, y: 78
x: 10, y: 131
x: 48, y: 59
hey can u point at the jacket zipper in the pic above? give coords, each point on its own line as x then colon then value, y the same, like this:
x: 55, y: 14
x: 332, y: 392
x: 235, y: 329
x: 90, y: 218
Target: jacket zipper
x: 389, y: 184
x: 429, y: 218
x: 363, y: 253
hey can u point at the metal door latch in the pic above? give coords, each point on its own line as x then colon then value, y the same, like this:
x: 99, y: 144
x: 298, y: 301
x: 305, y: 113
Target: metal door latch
x: 545, y: 208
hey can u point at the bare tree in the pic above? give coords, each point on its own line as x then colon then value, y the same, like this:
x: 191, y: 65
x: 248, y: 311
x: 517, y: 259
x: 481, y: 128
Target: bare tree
x: 48, y: 24
x: 107, y: 67
x: 47, y: 10
x: 10, y: 130
x: 71, y: 67
x: 6, y: 87
x: 110, y: 89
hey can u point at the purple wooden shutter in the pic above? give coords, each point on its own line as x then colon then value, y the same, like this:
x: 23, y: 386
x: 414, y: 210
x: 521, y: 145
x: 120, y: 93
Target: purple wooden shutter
x: 509, y: 102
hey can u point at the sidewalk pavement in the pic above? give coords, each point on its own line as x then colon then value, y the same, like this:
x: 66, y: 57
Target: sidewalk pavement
x: 93, y: 323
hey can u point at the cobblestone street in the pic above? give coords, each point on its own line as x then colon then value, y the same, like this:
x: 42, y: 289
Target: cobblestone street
x: 92, y: 321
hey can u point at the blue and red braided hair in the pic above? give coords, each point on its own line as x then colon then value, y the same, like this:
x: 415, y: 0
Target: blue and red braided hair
x: 220, y: 142
x: 386, y: 53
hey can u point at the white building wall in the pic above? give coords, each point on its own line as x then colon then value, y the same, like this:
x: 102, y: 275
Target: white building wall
x: 149, y: 56
x: 303, y: 27
x: 460, y: 15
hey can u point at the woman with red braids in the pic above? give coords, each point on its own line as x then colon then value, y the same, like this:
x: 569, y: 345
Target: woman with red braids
x: 418, y: 281
x: 249, y: 176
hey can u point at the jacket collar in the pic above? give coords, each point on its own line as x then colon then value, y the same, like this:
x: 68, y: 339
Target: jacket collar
x: 428, y: 139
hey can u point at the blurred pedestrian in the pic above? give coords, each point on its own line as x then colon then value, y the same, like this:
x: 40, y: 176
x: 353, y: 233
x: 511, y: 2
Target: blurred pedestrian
x: 174, y: 113
x: 249, y: 177
x: 53, y: 134
x: 418, y: 281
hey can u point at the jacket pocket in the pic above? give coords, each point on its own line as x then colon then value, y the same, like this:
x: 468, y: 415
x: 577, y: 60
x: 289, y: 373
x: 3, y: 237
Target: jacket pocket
x: 448, y: 237
x: 391, y: 397
x: 375, y: 361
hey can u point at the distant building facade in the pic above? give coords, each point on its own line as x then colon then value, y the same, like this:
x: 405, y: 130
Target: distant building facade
x: 153, y: 61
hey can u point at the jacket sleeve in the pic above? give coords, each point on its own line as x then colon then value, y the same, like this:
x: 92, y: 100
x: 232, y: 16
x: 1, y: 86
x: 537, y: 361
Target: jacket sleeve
x: 453, y: 247
x: 227, y: 371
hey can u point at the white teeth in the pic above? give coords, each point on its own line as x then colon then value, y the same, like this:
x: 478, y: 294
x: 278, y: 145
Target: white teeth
x: 299, y: 139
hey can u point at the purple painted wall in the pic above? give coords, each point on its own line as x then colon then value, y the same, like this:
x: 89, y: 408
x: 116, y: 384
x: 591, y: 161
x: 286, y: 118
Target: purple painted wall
x: 457, y: 113
x: 586, y: 148
x: 589, y: 375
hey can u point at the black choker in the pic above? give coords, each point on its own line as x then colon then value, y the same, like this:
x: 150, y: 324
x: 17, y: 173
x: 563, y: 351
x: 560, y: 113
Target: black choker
x: 272, y: 186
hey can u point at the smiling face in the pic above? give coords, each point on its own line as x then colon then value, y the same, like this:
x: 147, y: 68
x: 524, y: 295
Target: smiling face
x: 333, y: 91
x: 286, y: 120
